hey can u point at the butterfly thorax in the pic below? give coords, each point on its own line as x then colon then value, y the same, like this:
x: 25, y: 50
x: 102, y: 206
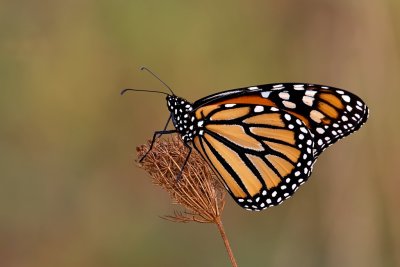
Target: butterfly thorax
x: 183, y: 117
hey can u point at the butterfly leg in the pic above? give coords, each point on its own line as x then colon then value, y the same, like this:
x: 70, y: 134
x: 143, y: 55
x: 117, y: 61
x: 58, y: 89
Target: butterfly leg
x: 155, y: 136
x: 179, y: 176
x: 166, y: 125
x: 159, y: 133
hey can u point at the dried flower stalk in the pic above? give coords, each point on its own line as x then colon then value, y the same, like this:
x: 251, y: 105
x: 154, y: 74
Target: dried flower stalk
x: 198, y: 190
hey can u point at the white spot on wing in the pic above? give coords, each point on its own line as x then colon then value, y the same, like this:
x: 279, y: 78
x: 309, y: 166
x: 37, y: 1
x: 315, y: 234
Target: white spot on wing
x: 310, y: 93
x: 298, y: 87
x: 316, y: 115
x: 259, y: 109
x: 289, y: 104
x: 346, y: 98
x: 229, y: 105
x: 320, y: 130
x: 265, y: 94
x: 284, y: 95
x: 278, y: 86
x: 308, y: 100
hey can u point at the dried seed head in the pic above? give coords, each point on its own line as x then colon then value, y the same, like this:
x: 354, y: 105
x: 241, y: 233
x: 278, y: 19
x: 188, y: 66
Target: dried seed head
x: 198, y: 190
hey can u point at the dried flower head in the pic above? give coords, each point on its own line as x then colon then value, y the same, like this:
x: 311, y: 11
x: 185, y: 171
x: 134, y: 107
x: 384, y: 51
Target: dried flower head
x: 198, y: 190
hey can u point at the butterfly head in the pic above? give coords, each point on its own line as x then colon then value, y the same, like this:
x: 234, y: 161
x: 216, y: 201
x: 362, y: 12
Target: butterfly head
x: 183, y: 117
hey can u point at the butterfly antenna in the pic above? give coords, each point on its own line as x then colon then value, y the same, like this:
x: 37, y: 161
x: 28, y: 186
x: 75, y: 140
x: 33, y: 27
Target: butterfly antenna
x: 141, y: 90
x: 152, y: 73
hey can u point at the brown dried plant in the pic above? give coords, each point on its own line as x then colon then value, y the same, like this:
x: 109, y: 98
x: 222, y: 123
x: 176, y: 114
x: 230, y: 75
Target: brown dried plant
x: 198, y: 190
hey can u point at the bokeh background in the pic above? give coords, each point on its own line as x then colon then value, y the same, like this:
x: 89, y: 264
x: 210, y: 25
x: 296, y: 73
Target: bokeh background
x: 70, y: 193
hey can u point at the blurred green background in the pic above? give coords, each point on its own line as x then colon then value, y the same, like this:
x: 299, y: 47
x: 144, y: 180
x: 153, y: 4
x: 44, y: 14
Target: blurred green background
x: 70, y: 194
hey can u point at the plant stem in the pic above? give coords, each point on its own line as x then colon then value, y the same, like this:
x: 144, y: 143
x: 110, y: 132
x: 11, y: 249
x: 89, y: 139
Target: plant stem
x: 221, y: 229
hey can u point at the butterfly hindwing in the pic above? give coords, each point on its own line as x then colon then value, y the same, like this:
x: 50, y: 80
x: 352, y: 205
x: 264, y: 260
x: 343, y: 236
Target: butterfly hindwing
x: 261, y: 153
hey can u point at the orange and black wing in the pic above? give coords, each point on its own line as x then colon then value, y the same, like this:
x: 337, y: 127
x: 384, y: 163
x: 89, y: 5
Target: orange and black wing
x: 329, y: 113
x: 261, y: 153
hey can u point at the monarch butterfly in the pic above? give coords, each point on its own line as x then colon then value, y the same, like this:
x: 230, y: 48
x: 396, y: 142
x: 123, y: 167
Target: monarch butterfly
x: 262, y: 141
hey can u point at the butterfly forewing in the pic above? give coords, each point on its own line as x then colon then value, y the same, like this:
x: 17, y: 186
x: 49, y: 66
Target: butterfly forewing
x: 329, y: 113
x: 261, y: 153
